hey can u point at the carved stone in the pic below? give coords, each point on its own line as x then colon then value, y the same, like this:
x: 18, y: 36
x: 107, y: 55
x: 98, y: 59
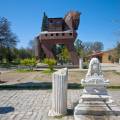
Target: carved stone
x: 94, y: 83
x: 59, y: 93
x: 94, y: 96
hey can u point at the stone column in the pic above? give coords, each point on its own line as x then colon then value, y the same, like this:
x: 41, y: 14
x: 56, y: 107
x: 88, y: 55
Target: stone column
x: 59, y: 93
x: 81, y: 63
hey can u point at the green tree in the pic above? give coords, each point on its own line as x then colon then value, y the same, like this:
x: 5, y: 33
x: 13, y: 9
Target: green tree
x: 50, y: 62
x: 24, y: 53
x: 44, y: 22
x: 64, y: 55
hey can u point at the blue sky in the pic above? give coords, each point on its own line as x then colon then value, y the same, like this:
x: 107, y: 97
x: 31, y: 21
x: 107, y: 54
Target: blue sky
x: 99, y: 21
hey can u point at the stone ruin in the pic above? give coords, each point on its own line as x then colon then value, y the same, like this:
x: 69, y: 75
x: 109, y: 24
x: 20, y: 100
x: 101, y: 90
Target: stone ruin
x: 59, y: 93
x: 58, y: 31
x: 94, y: 83
x: 95, y: 99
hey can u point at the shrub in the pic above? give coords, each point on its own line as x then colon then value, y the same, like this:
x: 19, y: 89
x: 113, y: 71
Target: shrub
x: 16, y: 61
x: 29, y: 62
x: 50, y: 62
x: 85, y: 65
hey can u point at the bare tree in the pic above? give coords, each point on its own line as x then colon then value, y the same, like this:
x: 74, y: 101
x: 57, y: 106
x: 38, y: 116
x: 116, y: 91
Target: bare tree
x: 8, y: 39
x: 97, y: 46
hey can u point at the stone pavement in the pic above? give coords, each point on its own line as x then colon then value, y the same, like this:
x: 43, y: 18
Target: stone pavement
x: 35, y: 104
x: 110, y: 66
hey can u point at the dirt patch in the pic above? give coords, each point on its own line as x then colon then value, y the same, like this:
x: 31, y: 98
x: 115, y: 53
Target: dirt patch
x: 73, y: 77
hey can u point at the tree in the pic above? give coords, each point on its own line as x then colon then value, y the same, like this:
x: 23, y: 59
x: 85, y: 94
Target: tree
x: 29, y: 62
x: 118, y: 48
x: 32, y: 46
x: 89, y: 47
x: 8, y: 39
x: 116, y: 53
x: 44, y: 22
x: 50, y: 62
x: 79, y: 46
x: 64, y: 55
x: 97, y: 46
x: 84, y: 49
x: 24, y: 53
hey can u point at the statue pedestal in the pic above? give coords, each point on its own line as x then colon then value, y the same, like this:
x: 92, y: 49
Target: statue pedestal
x: 88, y: 97
x: 95, y: 89
x: 94, y: 99
x: 96, y: 109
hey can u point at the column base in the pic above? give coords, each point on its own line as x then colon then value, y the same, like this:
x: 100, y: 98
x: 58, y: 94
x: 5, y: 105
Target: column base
x: 52, y: 113
x: 96, y: 109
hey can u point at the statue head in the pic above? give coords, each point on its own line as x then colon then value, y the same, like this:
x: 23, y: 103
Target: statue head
x: 94, y: 67
x: 72, y: 19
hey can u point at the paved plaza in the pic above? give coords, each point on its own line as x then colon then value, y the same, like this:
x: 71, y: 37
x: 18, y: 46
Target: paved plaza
x: 35, y: 104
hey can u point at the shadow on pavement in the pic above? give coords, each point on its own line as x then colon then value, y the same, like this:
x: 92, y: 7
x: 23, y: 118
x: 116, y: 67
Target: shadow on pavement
x: 1, y: 82
x: 4, y: 110
x: 36, y: 85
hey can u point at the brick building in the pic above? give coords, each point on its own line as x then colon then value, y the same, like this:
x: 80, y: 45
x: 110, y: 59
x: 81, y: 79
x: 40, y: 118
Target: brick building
x: 105, y: 56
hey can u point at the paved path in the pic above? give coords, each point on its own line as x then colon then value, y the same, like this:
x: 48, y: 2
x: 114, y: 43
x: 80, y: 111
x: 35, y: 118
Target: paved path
x: 110, y: 66
x: 35, y: 104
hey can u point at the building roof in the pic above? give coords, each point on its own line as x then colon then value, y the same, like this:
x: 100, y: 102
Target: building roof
x: 100, y: 53
x: 95, y: 54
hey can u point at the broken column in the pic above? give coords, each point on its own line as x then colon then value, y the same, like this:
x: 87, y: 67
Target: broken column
x: 59, y: 93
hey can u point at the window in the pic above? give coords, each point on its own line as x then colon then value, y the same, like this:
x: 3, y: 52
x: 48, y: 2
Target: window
x: 51, y: 34
x: 51, y: 21
x: 46, y: 35
x: 70, y: 34
x: 57, y: 34
x: 109, y: 57
x: 63, y: 34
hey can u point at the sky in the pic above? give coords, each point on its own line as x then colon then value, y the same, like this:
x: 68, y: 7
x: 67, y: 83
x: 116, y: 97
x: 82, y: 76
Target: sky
x: 99, y: 21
